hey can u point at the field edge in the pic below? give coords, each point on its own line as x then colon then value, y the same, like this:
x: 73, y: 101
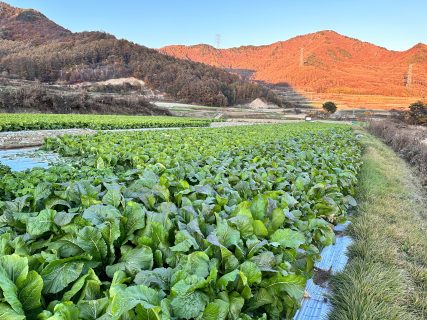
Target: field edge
x: 386, y: 277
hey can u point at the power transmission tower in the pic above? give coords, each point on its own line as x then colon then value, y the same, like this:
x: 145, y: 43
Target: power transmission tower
x: 301, y: 58
x: 409, y: 76
x: 218, y: 40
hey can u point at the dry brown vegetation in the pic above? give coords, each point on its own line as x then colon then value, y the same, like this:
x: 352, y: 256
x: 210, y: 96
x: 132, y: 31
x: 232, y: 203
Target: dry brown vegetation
x: 39, y: 98
x: 407, y: 141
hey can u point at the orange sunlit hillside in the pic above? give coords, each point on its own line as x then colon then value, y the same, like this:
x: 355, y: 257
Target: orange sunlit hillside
x: 324, y: 62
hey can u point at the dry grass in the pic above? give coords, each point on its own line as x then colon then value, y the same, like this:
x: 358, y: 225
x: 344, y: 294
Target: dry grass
x: 386, y: 277
x: 405, y: 140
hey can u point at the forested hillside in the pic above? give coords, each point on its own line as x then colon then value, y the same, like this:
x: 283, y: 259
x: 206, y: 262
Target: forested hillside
x: 322, y: 62
x: 35, y: 48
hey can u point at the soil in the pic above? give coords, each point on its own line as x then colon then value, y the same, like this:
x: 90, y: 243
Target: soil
x: 34, y: 138
x: 321, y: 277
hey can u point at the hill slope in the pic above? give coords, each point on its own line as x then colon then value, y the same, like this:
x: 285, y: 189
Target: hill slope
x: 29, y: 25
x: 322, y: 62
x: 33, y: 47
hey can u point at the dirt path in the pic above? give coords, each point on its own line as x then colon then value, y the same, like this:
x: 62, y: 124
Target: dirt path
x: 34, y: 138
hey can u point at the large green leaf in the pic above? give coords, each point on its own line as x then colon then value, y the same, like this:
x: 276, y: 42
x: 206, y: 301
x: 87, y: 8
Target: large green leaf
x: 259, y: 228
x: 98, y: 214
x: 244, y: 224
x: 60, y: 273
x: 127, y: 298
x: 133, y: 220
x: 259, y: 207
x: 216, y: 310
x: 21, y: 288
x: 227, y: 236
x: 92, y: 309
x: 88, y: 285
x: 7, y: 313
x: 41, y: 191
x: 65, y: 311
x: 15, y: 266
x: 113, y: 197
x: 30, y: 291
x: 158, y: 278
x: 64, y: 218
x: 190, y: 305
x: 90, y: 240
x: 42, y: 223
x: 251, y: 271
x: 132, y: 261
x: 10, y: 292
x: 292, y: 284
x: 197, y: 263
x: 225, y: 279
x: 16, y: 283
x: 110, y: 231
x: 288, y: 238
x: 184, y: 241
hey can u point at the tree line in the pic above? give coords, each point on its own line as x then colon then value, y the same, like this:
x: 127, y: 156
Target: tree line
x: 96, y: 56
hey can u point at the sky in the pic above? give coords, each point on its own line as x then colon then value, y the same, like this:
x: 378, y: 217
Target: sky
x: 393, y: 24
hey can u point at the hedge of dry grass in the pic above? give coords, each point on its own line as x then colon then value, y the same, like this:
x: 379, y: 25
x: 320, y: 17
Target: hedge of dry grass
x: 409, y: 142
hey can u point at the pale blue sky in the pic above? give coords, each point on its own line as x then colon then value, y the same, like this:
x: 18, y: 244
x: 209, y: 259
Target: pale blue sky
x: 394, y: 24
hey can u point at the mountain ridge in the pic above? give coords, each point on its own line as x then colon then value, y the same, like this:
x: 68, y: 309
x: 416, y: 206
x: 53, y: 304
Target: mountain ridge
x: 324, y: 61
x: 20, y: 24
x: 297, y: 36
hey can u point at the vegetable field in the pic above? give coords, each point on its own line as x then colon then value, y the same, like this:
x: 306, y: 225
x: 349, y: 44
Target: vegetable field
x: 191, y: 224
x: 17, y: 122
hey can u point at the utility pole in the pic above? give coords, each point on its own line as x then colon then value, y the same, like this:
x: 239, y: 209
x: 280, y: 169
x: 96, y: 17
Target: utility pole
x: 218, y: 40
x: 409, y: 76
x: 301, y: 58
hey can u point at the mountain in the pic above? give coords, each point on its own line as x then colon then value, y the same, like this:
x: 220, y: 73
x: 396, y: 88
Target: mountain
x: 32, y: 47
x: 28, y: 25
x: 324, y: 61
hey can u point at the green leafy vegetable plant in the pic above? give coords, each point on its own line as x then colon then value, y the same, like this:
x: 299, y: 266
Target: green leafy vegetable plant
x: 191, y: 224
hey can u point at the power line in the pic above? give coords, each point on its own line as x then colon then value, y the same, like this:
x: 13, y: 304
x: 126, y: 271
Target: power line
x: 409, y: 76
x: 301, y: 58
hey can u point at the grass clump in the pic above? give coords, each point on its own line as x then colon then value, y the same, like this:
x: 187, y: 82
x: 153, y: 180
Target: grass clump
x: 386, y: 277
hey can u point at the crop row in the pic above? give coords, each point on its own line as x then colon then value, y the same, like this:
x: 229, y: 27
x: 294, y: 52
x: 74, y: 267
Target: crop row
x: 190, y: 224
x: 18, y: 122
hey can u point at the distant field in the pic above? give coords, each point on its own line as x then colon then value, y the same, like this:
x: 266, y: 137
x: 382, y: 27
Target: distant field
x: 237, y: 112
x: 17, y: 122
x: 356, y: 101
